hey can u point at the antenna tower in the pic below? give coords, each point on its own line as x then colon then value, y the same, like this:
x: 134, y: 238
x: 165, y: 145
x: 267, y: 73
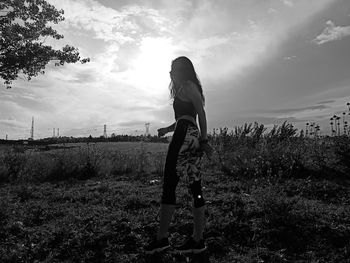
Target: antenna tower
x: 32, y: 130
x: 147, y: 124
x: 105, y: 131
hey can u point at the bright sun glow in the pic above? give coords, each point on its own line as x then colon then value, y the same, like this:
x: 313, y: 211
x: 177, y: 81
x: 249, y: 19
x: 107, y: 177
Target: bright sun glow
x: 152, y: 66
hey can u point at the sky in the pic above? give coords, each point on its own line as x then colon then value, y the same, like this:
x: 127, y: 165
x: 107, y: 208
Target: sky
x: 265, y: 61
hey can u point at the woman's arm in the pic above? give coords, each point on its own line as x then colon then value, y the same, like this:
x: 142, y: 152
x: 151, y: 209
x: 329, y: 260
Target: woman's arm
x: 196, y: 98
x: 163, y: 131
x: 171, y: 127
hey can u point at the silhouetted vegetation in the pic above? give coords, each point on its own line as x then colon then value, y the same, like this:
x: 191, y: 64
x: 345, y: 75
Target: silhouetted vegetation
x: 274, y: 196
x: 24, y: 27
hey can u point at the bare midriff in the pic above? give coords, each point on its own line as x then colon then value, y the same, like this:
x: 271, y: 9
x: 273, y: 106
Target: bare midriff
x: 187, y: 117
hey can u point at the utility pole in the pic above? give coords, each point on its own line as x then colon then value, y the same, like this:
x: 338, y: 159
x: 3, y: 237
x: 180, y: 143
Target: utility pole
x: 147, y: 124
x: 105, y: 131
x: 32, y: 130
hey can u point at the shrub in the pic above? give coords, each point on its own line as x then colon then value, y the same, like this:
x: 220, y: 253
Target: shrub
x: 78, y: 164
x: 247, y: 152
x: 342, y: 151
x: 116, y: 163
x: 38, y: 167
x: 12, y: 162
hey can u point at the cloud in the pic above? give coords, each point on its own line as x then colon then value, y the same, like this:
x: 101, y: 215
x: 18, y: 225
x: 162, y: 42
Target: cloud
x: 136, y: 124
x: 272, y: 10
x: 26, y: 101
x: 131, y: 47
x: 332, y: 33
x: 12, y: 123
x: 267, y: 121
x: 121, y: 26
x: 15, y: 128
x: 321, y: 117
x: 326, y: 101
x: 290, y: 57
x: 288, y: 3
x: 316, y: 107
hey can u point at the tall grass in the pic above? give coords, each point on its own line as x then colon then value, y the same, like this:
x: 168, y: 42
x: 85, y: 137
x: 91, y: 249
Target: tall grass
x: 247, y: 151
x: 271, y: 197
x: 79, y: 163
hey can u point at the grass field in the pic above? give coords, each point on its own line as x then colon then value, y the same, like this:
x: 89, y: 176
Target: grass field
x: 4, y: 147
x: 268, y: 200
x: 125, y: 147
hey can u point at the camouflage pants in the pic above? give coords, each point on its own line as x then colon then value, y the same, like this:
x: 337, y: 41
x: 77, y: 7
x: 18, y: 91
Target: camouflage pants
x: 183, y: 161
x: 189, y: 157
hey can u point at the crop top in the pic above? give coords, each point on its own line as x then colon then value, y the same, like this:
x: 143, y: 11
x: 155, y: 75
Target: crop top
x: 183, y: 108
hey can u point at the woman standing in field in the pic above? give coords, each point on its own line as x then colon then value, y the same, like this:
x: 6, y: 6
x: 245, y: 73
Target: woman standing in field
x: 184, y: 156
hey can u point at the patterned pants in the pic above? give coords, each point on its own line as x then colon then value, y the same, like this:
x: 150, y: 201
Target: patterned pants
x: 183, y: 160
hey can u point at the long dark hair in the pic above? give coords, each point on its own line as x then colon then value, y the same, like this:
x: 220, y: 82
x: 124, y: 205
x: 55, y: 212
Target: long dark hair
x: 186, y: 72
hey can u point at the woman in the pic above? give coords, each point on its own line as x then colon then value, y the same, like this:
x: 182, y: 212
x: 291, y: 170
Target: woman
x: 184, y: 156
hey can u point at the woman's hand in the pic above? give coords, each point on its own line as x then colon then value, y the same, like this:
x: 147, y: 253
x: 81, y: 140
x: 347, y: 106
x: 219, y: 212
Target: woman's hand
x: 162, y: 132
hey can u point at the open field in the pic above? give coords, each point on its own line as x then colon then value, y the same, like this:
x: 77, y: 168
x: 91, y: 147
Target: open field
x: 125, y: 147
x: 268, y: 200
x: 4, y: 147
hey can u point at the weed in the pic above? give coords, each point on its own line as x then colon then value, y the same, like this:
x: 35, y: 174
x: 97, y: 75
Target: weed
x: 342, y: 146
x: 277, y: 198
x: 12, y: 162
